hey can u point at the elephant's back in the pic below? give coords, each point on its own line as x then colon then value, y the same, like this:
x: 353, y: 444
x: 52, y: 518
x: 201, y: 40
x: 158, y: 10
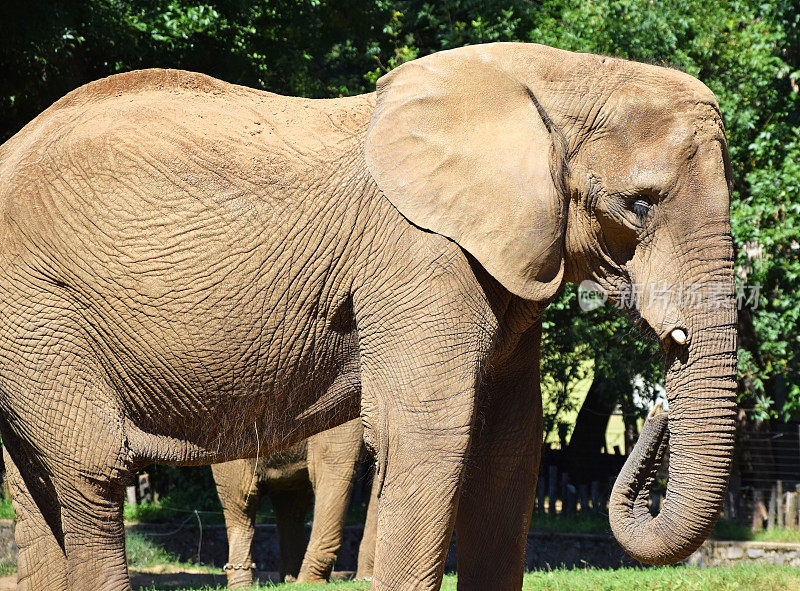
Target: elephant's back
x: 180, y: 122
x: 146, y: 162
x: 148, y: 97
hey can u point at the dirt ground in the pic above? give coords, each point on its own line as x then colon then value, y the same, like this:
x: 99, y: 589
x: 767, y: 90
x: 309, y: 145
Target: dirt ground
x: 168, y: 577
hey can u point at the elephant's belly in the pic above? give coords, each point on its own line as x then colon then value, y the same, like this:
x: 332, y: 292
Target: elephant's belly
x: 236, y: 410
x: 287, y: 469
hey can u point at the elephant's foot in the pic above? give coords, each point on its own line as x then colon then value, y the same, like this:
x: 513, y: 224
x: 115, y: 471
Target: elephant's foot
x: 319, y: 572
x: 365, y: 575
x: 240, y: 575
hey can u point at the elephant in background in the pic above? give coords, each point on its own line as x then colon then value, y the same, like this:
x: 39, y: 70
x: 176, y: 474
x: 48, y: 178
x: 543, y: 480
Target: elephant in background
x: 195, y: 272
x: 322, y: 468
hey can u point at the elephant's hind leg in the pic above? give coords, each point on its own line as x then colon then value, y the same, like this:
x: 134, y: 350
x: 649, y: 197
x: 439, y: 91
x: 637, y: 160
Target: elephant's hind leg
x: 332, y: 459
x: 238, y: 488
x: 291, y: 507
x: 77, y: 437
x: 41, y: 565
x: 91, y: 496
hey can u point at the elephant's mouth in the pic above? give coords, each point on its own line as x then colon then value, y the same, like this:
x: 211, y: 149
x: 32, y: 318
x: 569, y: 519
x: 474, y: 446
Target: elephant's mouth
x: 636, y: 318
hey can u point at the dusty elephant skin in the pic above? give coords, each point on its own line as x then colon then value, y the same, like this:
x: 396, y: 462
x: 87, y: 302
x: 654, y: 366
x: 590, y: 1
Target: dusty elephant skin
x: 322, y: 467
x: 195, y: 272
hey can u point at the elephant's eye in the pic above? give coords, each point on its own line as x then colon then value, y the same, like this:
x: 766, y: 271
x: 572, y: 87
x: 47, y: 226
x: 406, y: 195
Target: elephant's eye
x: 641, y: 207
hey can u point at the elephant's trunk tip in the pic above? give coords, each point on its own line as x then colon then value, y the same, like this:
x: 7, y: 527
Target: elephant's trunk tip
x: 628, y: 512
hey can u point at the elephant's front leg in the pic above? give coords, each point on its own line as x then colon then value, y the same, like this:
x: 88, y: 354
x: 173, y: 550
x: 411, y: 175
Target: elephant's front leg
x: 496, y: 501
x: 332, y: 458
x: 418, y: 411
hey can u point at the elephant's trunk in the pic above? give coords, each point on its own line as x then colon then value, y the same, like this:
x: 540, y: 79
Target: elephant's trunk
x: 701, y: 389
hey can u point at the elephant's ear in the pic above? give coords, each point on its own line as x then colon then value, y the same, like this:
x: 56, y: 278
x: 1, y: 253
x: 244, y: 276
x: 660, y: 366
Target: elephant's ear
x: 462, y: 147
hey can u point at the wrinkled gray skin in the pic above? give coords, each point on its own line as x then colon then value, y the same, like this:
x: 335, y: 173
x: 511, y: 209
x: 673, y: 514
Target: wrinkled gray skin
x: 195, y: 272
x: 323, y: 468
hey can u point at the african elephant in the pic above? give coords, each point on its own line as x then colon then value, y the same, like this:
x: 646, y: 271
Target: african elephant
x: 195, y: 272
x: 323, y: 468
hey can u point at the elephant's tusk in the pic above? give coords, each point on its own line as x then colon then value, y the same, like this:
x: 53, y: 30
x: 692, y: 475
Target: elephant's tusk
x: 679, y: 336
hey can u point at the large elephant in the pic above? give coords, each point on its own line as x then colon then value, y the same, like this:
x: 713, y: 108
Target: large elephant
x: 322, y: 467
x: 195, y: 272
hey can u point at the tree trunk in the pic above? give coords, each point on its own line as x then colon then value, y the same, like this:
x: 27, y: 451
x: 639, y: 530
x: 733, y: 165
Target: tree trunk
x: 589, y: 435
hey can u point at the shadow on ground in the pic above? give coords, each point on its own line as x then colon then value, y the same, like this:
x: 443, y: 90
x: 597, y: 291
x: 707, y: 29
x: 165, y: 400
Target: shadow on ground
x: 192, y: 580
x: 188, y: 580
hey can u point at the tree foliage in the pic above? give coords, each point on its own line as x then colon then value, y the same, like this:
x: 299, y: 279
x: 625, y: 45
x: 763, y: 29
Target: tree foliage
x: 748, y: 53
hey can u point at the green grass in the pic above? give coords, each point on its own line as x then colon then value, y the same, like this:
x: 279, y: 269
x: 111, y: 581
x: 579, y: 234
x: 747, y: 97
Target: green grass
x: 743, y: 578
x: 8, y: 566
x: 779, y: 534
x: 730, y: 530
x: 668, y: 579
x: 6, y: 510
x: 585, y: 523
x: 143, y: 552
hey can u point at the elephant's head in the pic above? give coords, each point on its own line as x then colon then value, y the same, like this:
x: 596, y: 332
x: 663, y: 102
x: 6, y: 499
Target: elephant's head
x: 549, y: 166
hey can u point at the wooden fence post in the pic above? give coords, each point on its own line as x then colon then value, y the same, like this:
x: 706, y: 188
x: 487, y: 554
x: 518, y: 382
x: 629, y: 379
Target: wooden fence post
x: 772, y: 509
x: 551, y: 489
x: 540, y: 494
x: 734, y: 498
x: 790, y: 518
x: 565, y: 493
x: 572, y: 499
x: 145, y: 493
x: 759, y: 511
x: 583, y: 493
x: 595, y: 488
x: 797, y: 513
x: 779, y: 500
x: 726, y: 506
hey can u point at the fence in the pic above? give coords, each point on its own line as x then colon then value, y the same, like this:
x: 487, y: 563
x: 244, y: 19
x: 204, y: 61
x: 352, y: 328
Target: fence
x: 570, y: 484
x: 764, y: 490
x: 765, y: 484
